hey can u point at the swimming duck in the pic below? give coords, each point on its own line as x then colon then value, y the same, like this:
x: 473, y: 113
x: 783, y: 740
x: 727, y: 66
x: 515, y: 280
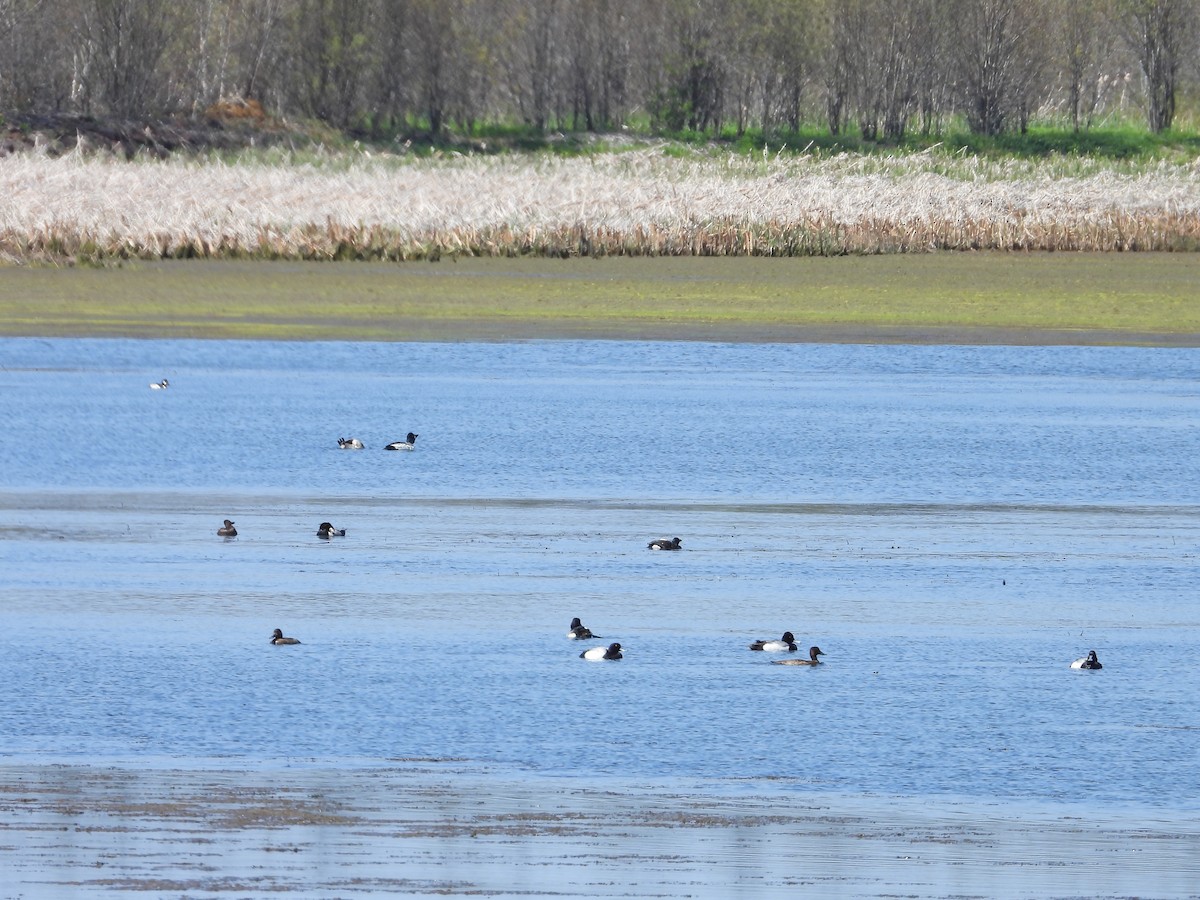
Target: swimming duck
x: 787, y: 643
x: 327, y: 531
x: 813, y: 653
x: 278, y: 638
x: 406, y: 444
x: 350, y: 443
x: 579, y: 633
x: 665, y: 544
x: 160, y: 385
x: 227, y: 530
x: 1088, y: 662
x: 612, y: 651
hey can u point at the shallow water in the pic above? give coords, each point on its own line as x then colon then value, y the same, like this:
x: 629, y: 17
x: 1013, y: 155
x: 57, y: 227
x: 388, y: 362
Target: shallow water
x: 951, y: 525
x: 440, y: 828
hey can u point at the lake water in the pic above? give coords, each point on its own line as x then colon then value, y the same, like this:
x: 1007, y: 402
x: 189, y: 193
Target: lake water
x: 952, y: 525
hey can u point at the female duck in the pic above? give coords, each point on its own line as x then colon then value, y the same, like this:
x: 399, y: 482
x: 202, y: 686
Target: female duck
x: 350, y: 443
x: 612, y: 651
x: 580, y: 633
x: 278, y: 638
x: 227, y: 530
x: 786, y: 644
x: 326, y: 531
x: 813, y: 653
x: 1091, y: 661
x: 665, y: 544
x: 406, y: 444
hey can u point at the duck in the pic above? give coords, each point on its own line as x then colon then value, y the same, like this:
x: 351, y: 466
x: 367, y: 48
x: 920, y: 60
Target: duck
x: 406, y: 444
x: 350, y: 443
x: 813, y: 653
x: 327, y: 531
x: 665, y: 544
x: 227, y: 530
x: 787, y: 643
x: 612, y: 651
x: 160, y: 385
x: 278, y: 638
x: 579, y: 633
x: 1087, y: 662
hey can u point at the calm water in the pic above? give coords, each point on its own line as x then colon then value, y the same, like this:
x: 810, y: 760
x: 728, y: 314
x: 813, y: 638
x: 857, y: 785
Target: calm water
x: 951, y: 525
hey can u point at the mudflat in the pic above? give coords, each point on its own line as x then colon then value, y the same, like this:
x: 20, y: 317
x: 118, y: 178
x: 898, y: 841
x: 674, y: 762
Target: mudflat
x: 1144, y: 299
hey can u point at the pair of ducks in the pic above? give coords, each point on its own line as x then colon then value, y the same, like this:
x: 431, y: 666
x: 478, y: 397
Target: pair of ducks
x: 354, y: 443
x: 324, y: 530
x: 579, y: 632
x: 787, y: 644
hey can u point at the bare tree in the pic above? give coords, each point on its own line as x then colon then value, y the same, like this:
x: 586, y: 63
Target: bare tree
x: 475, y: 62
x: 583, y: 34
x: 535, y: 63
x: 876, y: 43
x: 839, y: 64
x: 596, y: 42
x: 934, y: 81
x: 1085, y: 50
x: 392, y: 95
x: 1161, y: 33
x: 12, y: 17
x: 692, y: 89
x: 210, y: 59
x: 770, y: 58
x: 35, y: 54
x: 610, y: 22
x: 999, y: 61
x: 432, y: 35
x: 258, y: 42
x: 746, y: 58
x: 122, y: 43
x: 899, y: 61
x: 332, y: 56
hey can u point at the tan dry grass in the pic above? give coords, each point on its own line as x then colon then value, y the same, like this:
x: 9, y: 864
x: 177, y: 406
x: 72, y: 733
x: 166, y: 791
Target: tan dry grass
x: 634, y: 203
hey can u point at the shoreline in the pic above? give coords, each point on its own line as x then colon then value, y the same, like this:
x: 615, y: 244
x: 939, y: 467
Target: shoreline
x: 453, y: 827
x: 426, y: 331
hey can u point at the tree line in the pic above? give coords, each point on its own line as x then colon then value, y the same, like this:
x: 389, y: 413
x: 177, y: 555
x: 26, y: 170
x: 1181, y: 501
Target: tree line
x: 885, y: 68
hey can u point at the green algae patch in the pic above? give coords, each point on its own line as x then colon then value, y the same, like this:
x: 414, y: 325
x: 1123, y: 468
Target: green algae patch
x: 1145, y: 298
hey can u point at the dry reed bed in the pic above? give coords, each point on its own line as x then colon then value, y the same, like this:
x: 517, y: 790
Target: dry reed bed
x: 634, y: 203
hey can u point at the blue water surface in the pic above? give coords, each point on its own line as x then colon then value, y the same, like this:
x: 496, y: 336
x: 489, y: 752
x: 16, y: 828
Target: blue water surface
x: 952, y: 525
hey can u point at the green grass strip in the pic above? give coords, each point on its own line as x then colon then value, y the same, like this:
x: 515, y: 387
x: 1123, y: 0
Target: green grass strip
x: 1143, y: 298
